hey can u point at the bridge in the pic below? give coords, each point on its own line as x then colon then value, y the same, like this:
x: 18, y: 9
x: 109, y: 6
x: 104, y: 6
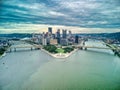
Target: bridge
x: 33, y: 46
x: 85, y: 47
x: 108, y: 46
x: 28, y: 47
x: 115, y: 49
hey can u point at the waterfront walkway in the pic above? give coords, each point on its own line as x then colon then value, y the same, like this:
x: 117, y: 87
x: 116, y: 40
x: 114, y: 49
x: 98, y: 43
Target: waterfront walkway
x: 60, y: 55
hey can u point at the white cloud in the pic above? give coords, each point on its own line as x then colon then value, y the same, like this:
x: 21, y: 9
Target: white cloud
x: 39, y: 28
x: 77, y: 5
x: 34, y: 6
x: 54, y: 13
x: 86, y: 13
x: 96, y: 22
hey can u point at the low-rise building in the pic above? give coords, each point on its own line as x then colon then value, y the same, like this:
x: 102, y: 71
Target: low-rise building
x: 53, y: 42
x: 44, y: 41
x: 64, y: 41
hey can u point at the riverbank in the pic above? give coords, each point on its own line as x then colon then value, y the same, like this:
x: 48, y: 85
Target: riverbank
x: 3, y: 51
x: 60, y: 55
x: 115, y: 49
x: 2, y: 55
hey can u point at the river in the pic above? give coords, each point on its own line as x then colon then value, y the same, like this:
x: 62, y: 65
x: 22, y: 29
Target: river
x: 93, y: 69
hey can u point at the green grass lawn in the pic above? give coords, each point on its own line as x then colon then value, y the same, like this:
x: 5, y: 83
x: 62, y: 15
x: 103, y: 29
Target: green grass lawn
x: 60, y: 50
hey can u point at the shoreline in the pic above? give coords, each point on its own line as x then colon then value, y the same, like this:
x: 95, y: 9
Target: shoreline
x: 4, y: 54
x: 59, y: 55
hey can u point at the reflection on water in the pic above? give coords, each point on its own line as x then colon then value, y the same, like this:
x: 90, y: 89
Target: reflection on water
x: 84, y: 70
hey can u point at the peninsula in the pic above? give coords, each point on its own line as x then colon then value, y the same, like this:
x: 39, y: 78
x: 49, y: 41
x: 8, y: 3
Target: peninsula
x: 58, y: 45
x: 59, y: 52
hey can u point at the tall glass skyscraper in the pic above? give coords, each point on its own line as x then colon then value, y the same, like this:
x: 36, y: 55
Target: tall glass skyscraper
x: 58, y: 35
x: 64, y: 33
x: 50, y: 29
x: 76, y: 39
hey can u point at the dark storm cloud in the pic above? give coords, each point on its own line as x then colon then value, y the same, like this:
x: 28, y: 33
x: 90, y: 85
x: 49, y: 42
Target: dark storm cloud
x: 82, y: 13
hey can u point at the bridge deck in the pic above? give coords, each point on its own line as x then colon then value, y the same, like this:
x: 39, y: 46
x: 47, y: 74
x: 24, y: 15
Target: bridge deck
x: 35, y: 46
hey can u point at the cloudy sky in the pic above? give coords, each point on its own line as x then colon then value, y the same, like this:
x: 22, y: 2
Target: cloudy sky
x: 83, y: 16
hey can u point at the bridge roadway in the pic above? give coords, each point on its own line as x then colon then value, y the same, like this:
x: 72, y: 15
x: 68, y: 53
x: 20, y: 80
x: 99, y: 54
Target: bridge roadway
x: 39, y: 47
x: 35, y: 46
x: 93, y: 47
x: 82, y: 46
x: 96, y: 47
x: 31, y: 47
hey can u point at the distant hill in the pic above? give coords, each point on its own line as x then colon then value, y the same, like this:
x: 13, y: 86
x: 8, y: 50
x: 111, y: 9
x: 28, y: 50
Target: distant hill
x: 16, y: 35
x: 114, y: 36
x: 107, y: 35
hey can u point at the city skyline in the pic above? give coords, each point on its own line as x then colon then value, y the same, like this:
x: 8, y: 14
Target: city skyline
x: 88, y: 16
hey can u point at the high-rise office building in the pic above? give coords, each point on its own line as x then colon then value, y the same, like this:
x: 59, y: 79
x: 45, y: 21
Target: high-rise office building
x: 44, y: 41
x: 64, y: 33
x: 53, y: 36
x: 50, y: 30
x: 58, y: 35
x: 70, y: 34
x: 43, y: 34
x: 64, y: 41
x: 33, y: 35
x: 48, y: 40
x: 77, y: 39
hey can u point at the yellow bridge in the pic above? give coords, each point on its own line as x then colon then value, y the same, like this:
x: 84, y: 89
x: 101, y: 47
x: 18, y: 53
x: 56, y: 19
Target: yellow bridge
x: 92, y: 47
x: 28, y: 47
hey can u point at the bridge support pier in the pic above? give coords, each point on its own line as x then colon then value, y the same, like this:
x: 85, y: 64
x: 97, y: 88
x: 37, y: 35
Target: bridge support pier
x: 113, y: 50
x: 31, y: 48
x: 14, y: 49
x: 10, y: 50
x: 81, y: 48
x: 115, y: 53
x: 85, y: 48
